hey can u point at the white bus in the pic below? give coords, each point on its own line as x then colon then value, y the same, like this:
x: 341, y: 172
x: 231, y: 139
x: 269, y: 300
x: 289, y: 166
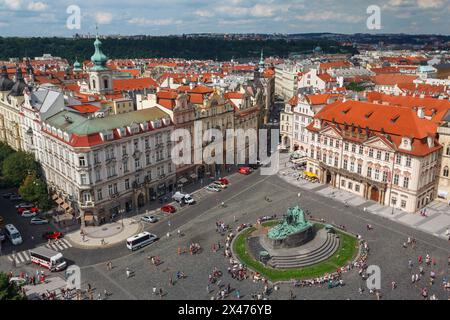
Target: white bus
x: 13, y: 234
x: 140, y: 240
x: 47, y: 258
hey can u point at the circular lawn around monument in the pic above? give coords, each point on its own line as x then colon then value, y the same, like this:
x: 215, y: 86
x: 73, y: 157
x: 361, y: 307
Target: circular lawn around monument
x: 347, y: 251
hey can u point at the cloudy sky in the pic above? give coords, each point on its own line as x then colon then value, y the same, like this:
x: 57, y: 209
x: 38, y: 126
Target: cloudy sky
x: 163, y: 17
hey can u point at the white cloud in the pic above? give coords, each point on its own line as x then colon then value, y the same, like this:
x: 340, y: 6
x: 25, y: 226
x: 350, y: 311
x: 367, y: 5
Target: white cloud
x: 330, y: 16
x: 37, y: 6
x: 12, y: 4
x: 258, y: 10
x: 154, y: 22
x: 426, y: 4
x: 103, y: 17
x: 204, y: 13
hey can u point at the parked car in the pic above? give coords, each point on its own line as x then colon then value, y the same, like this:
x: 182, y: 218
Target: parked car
x: 183, y: 198
x: 168, y: 209
x: 38, y: 221
x: 2, y: 236
x: 224, y: 181
x: 28, y: 214
x: 245, y: 170
x: 52, y: 235
x: 149, y: 219
x: 15, y: 197
x: 212, y: 188
x: 220, y: 184
x: 32, y: 209
x: 26, y: 205
x: 7, y: 195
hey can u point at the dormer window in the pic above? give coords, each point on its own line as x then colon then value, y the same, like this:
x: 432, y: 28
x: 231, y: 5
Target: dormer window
x: 317, y: 123
x: 406, y: 143
x: 430, y: 142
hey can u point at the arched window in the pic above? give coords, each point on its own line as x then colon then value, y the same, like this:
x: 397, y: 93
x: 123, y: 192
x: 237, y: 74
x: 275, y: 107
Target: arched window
x: 105, y: 83
x: 445, y: 171
x: 447, y: 152
x: 94, y: 84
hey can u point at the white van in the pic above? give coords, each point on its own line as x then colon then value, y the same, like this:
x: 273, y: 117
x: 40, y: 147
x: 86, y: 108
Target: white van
x: 13, y: 234
x: 140, y: 240
x: 50, y: 259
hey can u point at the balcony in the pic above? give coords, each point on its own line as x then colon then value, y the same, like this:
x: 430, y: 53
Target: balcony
x: 114, y: 195
x: 87, y: 205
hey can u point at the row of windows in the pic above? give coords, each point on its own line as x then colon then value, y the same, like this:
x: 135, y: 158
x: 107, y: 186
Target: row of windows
x: 378, y: 154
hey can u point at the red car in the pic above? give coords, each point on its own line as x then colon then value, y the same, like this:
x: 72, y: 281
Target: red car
x: 52, y: 235
x: 168, y: 209
x: 32, y: 209
x: 224, y: 181
x: 245, y: 170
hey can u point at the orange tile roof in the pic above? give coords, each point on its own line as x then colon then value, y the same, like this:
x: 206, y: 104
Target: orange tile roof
x: 431, y: 106
x: 334, y: 64
x: 392, y: 79
x: 356, y: 112
x: 134, y: 84
x: 319, y: 99
x: 85, y: 108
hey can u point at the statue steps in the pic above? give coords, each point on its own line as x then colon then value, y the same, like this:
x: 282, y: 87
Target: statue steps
x: 327, y: 249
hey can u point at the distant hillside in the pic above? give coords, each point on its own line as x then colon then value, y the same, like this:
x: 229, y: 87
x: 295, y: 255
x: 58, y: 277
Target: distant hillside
x: 163, y: 47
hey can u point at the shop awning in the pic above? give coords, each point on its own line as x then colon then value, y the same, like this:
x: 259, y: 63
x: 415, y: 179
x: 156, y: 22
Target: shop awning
x: 65, y: 206
x: 183, y: 180
x: 193, y: 176
x: 59, y: 201
x: 54, y: 197
x: 88, y: 217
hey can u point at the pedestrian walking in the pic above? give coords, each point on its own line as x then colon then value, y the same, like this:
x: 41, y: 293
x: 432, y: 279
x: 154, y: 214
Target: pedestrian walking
x: 154, y: 291
x: 160, y: 293
x: 128, y: 272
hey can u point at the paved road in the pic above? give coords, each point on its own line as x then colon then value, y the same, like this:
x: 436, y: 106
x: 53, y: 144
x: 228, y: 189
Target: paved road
x: 244, y: 200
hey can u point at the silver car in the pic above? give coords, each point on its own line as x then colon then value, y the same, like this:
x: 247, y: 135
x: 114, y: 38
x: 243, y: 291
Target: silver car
x: 38, y: 221
x: 212, y: 188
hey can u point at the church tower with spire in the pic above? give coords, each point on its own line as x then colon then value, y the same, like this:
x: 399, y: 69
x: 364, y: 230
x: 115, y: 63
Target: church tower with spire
x: 100, y: 76
x: 262, y: 63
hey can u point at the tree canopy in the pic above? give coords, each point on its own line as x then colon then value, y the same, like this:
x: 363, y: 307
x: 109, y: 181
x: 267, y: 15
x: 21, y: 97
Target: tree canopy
x: 9, y: 291
x: 164, y: 47
x: 34, y: 189
x: 17, y: 166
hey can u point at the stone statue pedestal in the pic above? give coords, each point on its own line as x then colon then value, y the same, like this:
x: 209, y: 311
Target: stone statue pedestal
x: 293, y: 240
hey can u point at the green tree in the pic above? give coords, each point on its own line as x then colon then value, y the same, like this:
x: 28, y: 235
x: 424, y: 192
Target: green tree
x: 9, y: 291
x: 5, y: 151
x: 17, y: 166
x: 34, y: 189
x: 354, y: 86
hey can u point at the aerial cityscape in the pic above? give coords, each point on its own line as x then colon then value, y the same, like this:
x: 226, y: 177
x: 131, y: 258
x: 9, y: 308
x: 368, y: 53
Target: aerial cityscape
x: 249, y: 150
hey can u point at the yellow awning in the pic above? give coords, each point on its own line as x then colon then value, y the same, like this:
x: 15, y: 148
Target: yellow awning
x: 310, y: 174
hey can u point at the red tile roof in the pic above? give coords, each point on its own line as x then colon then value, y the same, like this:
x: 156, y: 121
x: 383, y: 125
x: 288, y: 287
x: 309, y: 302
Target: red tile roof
x: 134, y: 84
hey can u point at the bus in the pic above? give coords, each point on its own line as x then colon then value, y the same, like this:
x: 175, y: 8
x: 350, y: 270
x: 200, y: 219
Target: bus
x: 47, y: 258
x: 140, y: 240
x: 13, y: 234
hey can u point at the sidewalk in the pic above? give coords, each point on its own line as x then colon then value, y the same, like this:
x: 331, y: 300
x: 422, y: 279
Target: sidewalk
x: 110, y: 233
x: 436, y: 223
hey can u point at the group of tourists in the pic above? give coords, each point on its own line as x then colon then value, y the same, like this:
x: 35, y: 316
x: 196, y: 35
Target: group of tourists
x: 237, y: 270
x: 221, y: 227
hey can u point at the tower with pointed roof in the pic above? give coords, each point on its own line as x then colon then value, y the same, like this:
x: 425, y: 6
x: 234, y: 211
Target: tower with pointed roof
x: 262, y: 63
x: 100, y: 76
x: 6, y: 83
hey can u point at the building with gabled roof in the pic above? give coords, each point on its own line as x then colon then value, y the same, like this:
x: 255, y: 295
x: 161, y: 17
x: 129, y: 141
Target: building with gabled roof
x: 385, y: 153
